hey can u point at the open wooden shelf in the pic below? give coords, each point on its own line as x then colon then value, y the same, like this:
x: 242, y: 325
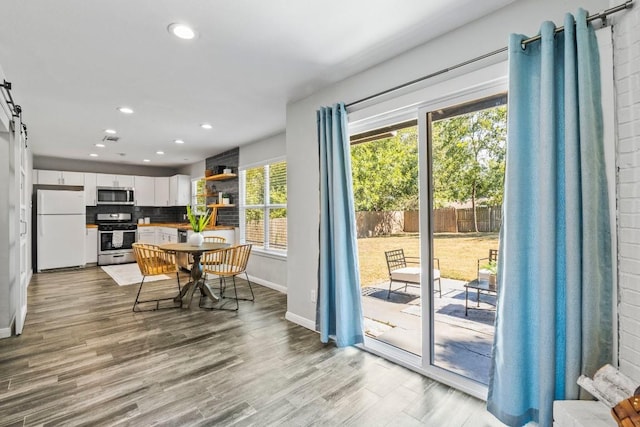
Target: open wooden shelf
x: 220, y: 177
x: 220, y: 205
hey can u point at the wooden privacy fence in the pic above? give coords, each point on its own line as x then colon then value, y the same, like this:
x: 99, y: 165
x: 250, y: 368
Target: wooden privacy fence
x: 445, y: 220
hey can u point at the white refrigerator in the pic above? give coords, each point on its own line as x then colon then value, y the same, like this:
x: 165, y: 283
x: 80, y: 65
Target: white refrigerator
x: 61, y: 225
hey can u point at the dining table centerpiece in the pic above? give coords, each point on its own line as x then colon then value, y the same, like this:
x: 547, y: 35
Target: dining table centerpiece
x: 198, y: 224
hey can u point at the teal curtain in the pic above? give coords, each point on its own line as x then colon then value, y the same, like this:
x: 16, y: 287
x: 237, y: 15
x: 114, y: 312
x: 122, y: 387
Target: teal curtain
x: 339, y: 308
x: 554, y: 319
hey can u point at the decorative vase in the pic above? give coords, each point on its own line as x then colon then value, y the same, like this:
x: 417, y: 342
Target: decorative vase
x: 196, y: 239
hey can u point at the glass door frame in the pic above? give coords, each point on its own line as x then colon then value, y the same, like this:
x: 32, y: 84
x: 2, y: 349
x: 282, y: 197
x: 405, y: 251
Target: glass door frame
x: 475, y: 85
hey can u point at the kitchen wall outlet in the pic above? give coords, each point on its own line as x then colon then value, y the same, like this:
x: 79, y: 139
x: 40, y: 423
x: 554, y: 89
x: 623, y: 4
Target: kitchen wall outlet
x: 312, y: 295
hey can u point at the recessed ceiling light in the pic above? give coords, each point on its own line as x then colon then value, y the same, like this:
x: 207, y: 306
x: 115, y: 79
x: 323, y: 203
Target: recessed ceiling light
x: 93, y: 155
x: 125, y: 110
x: 182, y: 31
x: 159, y: 152
x: 100, y: 145
x: 146, y: 160
x: 206, y: 126
x: 110, y: 131
x: 179, y: 141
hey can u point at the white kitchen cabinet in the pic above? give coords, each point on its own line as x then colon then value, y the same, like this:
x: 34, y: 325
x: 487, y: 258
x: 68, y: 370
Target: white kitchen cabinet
x: 161, y: 193
x: 166, y: 235
x: 147, y: 235
x: 180, y: 190
x: 90, y: 189
x: 144, y: 190
x: 91, y: 246
x: 60, y: 177
x: 108, y: 180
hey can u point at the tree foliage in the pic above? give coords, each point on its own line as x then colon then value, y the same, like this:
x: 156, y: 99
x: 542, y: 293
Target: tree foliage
x: 469, y: 157
x: 385, y: 172
x: 256, y: 193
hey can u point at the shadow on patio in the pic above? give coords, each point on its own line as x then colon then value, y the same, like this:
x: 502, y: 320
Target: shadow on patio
x: 462, y: 343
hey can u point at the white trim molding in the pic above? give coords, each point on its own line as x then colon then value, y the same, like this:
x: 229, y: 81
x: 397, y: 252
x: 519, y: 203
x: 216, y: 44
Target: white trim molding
x: 299, y: 320
x: 268, y: 284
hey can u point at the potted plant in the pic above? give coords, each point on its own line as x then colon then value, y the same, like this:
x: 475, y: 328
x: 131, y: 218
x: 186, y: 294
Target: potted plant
x: 198, y: 224
x: 491, y: 270
x: 225, y: 198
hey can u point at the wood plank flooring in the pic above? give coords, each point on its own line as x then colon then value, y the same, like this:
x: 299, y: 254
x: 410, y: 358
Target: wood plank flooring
x: 85, y: 358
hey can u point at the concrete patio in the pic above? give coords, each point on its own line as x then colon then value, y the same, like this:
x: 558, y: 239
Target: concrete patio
x: 462, y: 343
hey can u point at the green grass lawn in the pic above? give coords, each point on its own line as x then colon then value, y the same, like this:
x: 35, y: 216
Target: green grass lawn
x: 458, y: 253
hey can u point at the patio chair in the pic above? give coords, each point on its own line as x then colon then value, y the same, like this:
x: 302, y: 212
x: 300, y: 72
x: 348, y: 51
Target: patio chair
x: 153, y: 262
x: 491, y: 259
x: 485, y: 281
x: 400, y: 271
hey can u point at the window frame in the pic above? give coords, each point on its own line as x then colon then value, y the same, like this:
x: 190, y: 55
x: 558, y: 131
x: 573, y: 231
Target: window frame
x: 198, y: 208
x: 265, y: 207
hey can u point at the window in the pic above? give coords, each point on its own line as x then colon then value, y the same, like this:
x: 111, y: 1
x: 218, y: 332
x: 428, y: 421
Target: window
x: 264, y: 195
x: 198, y: 196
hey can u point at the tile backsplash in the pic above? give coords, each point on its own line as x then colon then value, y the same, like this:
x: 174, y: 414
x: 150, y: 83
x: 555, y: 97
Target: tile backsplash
x: 157, y: 214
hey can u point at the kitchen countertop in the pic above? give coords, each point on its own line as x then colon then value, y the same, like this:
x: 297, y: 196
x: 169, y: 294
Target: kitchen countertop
x: 175, y: 225
x: 185, y: 225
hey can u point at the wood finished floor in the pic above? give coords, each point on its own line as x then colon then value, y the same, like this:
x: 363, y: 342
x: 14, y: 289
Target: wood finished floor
x: 85, y: 359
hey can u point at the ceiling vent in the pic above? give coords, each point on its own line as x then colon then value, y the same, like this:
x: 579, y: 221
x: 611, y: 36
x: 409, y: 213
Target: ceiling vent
x: 111, y: 138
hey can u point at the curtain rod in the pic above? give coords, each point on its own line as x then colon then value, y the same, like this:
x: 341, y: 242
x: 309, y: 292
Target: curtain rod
x: 602, y: 15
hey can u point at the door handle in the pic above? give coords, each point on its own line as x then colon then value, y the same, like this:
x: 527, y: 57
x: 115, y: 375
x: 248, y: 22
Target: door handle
x: 118, y: 256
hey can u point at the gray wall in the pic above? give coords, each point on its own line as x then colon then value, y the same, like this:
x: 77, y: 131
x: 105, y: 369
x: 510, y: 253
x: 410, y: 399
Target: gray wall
x: 481, y: 36
x: 266, y: 269
x: 73, y: 165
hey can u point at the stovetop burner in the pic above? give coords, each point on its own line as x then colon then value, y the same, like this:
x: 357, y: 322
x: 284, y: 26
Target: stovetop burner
x: 115, y: 221
x: 117, y: 226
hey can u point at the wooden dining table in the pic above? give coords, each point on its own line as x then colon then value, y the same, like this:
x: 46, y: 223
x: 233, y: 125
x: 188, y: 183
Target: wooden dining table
x: 197, y: 280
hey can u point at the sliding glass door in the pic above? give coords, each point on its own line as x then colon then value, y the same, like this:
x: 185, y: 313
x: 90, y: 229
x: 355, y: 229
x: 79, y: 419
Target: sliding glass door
x: 466, y: 147
x: 428, y: 196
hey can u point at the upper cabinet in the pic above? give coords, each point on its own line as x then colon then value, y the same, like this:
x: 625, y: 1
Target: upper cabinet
x: 180, y: 190
x: 90, y: 189
x: 108, y: 180
x: 60, y: 178
x: 161, y: 193
x: 144, y: 190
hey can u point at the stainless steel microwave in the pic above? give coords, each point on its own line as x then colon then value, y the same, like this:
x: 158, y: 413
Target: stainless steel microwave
x: 115, y: 196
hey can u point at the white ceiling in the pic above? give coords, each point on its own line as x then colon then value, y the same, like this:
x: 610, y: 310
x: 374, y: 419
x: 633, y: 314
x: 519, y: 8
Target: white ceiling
x: 73, y: 62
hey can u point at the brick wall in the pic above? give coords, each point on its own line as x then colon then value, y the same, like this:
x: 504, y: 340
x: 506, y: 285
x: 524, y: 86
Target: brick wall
x: 229, y: 159
x: 626, y: 43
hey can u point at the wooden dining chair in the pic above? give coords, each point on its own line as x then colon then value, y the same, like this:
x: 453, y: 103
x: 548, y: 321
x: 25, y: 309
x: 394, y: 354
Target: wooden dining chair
x: 211, y: 259
x: 153, y: 261
x: 228, y: 263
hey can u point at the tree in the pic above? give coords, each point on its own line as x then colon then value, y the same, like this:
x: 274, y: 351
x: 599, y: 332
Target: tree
x: 469, y: 158
x: 385, y: 172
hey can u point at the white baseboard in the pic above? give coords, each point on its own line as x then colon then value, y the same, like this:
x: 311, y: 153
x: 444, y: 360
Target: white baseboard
x: 299, y: 320
x: 5, y: 332
x: 268, y: 284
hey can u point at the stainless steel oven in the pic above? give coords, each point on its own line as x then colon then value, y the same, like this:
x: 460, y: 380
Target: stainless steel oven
x: 116, y: 234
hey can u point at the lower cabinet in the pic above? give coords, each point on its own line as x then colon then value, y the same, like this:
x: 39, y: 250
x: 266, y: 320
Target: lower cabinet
x: 91, y: 246
x: 147, y: 235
